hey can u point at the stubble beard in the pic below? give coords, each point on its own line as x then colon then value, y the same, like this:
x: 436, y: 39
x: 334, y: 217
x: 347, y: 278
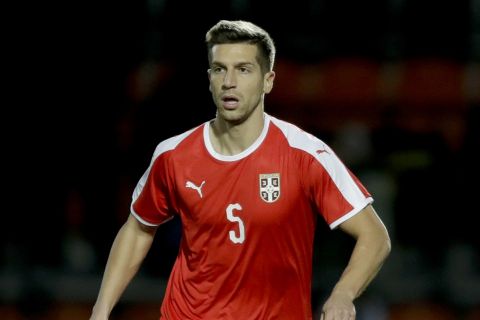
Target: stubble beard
x: 237, y: 116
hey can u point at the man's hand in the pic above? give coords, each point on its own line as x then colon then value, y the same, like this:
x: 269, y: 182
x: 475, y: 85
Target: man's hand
x: 338, y: 307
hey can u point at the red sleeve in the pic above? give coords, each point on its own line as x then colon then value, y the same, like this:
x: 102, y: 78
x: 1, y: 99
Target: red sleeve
x: 150, y: 203
x: 336, y: 192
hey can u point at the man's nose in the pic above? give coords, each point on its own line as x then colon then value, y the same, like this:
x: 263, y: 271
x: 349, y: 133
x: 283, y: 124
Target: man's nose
x: 229, y: 81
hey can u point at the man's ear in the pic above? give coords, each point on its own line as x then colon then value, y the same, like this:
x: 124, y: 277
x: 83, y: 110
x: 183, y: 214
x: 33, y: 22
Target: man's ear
x: 268, y: 81
x: 209, y: 82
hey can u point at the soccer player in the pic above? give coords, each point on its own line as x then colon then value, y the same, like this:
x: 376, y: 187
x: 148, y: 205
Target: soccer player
x: 248, y: 188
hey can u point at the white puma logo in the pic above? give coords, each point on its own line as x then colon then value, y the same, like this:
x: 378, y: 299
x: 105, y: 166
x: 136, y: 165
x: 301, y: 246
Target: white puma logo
x: 193, y: 186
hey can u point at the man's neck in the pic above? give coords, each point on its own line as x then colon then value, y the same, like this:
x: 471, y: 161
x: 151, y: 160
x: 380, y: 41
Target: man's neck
x: 230, y: 139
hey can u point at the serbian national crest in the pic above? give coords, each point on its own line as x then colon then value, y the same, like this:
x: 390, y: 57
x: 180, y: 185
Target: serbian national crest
x: 269, y: 187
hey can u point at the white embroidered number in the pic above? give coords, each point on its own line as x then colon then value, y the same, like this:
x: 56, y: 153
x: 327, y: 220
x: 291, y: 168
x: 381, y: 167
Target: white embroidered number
x: 241, y: 228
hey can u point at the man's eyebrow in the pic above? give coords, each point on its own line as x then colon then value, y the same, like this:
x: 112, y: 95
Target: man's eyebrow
x: 242, y: 64
x: 216, y: 63
x: 238, y: 64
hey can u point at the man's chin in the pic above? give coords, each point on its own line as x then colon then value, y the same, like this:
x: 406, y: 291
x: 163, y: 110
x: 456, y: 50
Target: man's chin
x: 231, y: 116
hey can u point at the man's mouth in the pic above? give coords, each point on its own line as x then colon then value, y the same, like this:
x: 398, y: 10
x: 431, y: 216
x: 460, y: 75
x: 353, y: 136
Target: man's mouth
x: 230, y: 101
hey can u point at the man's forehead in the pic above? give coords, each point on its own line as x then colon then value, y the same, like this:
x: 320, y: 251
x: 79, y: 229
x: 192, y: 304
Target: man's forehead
x: 244, y: 52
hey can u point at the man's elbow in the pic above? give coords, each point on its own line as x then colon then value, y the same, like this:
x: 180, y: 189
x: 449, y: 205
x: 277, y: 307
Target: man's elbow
x: 386, y: 246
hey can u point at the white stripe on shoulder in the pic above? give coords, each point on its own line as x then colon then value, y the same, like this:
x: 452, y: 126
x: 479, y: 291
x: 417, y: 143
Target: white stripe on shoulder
x: 171, y: 143
x: 302, y: 140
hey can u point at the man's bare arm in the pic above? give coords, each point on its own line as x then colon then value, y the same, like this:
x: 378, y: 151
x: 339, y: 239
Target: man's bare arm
x: 128, y: 251
x: 371, y: 249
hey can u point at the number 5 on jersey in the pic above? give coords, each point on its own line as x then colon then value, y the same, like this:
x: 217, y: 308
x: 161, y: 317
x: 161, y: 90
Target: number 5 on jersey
x: 241, y: 228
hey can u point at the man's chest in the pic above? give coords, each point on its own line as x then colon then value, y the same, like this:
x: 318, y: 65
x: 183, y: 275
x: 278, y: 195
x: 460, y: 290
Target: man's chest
x: 246, y: 194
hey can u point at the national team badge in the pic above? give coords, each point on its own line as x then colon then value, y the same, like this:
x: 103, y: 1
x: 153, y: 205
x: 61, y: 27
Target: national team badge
x: 269, y: 187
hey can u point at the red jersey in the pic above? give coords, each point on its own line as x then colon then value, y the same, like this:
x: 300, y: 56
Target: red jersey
x: 248, y: 220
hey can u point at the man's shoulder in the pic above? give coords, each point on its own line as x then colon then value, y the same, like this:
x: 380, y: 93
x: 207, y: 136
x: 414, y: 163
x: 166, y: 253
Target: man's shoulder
x: 173, y: 142
x: 297, y: 137
x: 289, y: 129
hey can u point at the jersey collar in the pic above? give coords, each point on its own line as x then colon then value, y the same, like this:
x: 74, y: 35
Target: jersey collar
x: 244, y: 153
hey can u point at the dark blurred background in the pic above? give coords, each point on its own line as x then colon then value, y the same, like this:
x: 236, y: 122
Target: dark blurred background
x: 393, y: 86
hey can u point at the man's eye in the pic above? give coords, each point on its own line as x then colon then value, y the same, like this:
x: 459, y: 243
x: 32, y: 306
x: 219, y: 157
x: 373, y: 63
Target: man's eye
x: 217, y: 70
x: 244, y: 70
